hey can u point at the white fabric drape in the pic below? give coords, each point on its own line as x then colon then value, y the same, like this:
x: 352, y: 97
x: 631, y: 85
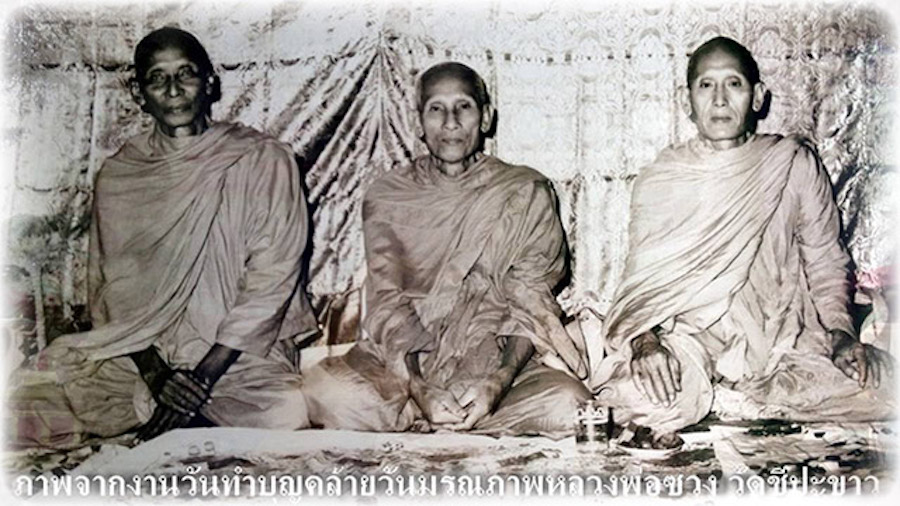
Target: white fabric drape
x: 586, y: 93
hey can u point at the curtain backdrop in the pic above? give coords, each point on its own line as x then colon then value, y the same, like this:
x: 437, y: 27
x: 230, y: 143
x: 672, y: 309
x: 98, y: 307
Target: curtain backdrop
x: 587, y: 93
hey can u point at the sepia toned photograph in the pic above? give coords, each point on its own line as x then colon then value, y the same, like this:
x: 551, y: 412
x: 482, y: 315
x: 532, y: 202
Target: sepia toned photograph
x: 378, y: 251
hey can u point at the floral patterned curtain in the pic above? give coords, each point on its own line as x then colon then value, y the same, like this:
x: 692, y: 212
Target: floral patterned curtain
x: 586, y: 92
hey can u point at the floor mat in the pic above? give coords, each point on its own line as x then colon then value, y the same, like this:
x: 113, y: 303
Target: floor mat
x: 719, y: 457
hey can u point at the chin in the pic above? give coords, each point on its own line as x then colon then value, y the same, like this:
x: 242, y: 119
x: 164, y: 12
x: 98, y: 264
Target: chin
x: 178, y: 123
x: 446, y: 160
x: 180, y: 119
x: 720, y: 136
x: 451, y: 157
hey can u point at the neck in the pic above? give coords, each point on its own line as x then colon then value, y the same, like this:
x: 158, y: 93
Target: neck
x: 196, y: 127
x: 724, y: 144
x: 454, y: 169
x: 166, y: 140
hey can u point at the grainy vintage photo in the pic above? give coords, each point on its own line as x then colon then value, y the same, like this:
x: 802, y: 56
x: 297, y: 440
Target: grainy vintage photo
x: 303, y: 250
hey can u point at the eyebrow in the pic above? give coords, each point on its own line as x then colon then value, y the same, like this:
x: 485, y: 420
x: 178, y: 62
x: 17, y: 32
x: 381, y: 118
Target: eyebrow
x: 736, y: 73
x: 188, y: 63
x: 466, y: 98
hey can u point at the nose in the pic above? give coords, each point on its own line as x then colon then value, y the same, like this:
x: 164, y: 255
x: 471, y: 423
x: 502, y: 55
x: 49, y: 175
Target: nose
x: 173, y: 88
x: 719, y: 96
x: 451, y: 122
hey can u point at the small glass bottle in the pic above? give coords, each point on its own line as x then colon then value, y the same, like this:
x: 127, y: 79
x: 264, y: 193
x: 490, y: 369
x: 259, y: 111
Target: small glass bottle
x: 593, y: 422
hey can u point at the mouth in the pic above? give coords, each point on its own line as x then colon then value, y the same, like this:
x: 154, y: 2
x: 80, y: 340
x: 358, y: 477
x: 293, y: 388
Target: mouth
x: 179, y: 109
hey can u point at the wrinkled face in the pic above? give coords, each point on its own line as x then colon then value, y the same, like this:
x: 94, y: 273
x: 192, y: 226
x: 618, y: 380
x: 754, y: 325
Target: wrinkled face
x: 722, y: 100
x: 173, y: 89
x: 451, y: 120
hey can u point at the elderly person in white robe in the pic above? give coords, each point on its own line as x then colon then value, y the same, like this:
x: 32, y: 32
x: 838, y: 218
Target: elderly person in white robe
x: 735, y: 274
x: 464, y: 252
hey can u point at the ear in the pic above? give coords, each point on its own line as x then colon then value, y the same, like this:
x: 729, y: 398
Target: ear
x: 684, y: 98
x: 487, y: 119
x: 418, y: 130
x: 136, y: 94
x: 759, y: 96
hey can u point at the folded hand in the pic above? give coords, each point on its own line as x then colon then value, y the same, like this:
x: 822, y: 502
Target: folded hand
x: 861, y: 362
x: 181, y: 391
x: 655, y: 370
x: 478, y: 399
x: 438, y: 405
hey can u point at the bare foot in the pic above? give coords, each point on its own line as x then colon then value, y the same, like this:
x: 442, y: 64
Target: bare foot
x: 646, y: 439
x: 421, y: 425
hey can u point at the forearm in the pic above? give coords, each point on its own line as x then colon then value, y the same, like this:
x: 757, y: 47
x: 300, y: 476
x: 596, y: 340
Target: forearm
x: 149, y: 363
x: 517, y: 351
x: 417, y: 384
x: 413, y: 369
x: 393, y: 324
x: 216, y: 361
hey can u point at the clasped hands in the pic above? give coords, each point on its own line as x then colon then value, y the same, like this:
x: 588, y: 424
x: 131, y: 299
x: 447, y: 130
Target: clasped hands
x: 179, y: 393
x: 462, y: 405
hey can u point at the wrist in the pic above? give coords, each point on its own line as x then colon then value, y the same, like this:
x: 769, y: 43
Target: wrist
x: 214, y: 364
x: 839, y: 336
x: 840, y: 340
x: 205, y: 376
x: 647, y: 338
x: 154, y: 373
x: 154, y: 378
x: 504, y: 376
x: 417, y: 390
x: 416, y: 383
x: 149, y: 363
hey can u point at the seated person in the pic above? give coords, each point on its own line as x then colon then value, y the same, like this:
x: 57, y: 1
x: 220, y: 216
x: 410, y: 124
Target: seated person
x: 735, y: 274
x: 463, y: 254
x: 194, y: 275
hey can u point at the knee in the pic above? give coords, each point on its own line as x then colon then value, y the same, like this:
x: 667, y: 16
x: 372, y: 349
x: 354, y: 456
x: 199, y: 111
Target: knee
x: 278, y: 409
x: 288, y: 412
x: 323, y: 395
x: 560, y: 405
x: 574, y: 391
x: 294, y: 410
x: 338, y: 398
x: 630, y: 405
x: 558, y: 414
x: 568, y: 393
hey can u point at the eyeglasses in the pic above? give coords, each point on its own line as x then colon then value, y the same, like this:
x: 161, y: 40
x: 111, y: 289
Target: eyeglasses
x: 184, y: 76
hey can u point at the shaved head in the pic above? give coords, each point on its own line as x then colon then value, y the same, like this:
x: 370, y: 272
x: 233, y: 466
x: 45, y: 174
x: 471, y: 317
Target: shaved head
x: 456, y: 71
x: 170, y: 59
x: 747, y: 65
x: 166, y: 38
